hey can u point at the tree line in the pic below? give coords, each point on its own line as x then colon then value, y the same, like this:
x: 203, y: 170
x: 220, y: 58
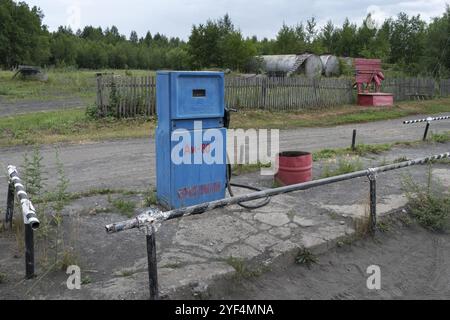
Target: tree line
x: 412, y: 45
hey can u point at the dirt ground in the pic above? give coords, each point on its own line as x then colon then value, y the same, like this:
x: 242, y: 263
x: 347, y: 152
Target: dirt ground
x: 114, y: 267
x: 414, y: 263
x: 27, y: 106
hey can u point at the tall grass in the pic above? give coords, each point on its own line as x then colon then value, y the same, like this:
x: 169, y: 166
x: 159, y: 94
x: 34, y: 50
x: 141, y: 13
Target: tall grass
x: 429, y: 204
x: 50, y: 237
x: 341, y: 166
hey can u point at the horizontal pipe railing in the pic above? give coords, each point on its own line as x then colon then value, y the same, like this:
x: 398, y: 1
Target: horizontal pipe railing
x: 152, y: 218
x: 28, y: 210
x: 430, y: 119
x: 30, y: 219
x: 155, y: 217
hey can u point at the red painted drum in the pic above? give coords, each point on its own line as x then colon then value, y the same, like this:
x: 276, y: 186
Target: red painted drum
x: 294, y: 167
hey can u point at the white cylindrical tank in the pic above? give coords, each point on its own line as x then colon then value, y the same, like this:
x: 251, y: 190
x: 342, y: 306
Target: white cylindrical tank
x: 279, y: 63
x: 331, y: 67
x: 313, y: 66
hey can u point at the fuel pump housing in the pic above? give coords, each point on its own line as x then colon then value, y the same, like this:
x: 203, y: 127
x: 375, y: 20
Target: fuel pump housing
x: 191, y: 158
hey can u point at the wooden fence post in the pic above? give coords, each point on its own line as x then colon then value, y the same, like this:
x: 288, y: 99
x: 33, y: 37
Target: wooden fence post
x: 99, y: 95
x: 264, y: 92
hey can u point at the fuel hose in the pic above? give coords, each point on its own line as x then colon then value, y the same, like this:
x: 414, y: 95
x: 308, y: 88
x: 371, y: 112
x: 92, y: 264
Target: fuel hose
x: 230, y: 186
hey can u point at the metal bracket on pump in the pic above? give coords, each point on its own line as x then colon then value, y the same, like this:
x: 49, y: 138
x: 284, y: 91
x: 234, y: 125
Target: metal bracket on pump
x: 227, y: 119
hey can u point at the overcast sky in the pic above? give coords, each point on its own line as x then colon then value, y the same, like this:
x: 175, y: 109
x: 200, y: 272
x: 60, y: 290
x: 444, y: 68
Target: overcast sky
x: 254, y: 17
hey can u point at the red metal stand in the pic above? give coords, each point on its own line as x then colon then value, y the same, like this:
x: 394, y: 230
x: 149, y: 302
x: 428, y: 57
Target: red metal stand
x: 375, y: 99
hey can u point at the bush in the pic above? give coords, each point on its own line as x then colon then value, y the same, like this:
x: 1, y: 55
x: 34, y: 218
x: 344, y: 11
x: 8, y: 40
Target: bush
x: 431, y: 211
x: 429, y: 205
x: 92, y: 112
x: 441, y: 137
x: 344, y: 165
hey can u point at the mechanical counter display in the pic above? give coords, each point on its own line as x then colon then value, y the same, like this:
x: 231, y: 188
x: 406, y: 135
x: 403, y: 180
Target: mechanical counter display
x: 190, y: 138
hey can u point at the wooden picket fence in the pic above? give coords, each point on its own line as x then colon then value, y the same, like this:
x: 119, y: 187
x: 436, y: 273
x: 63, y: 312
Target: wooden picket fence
x: 444, y: 88
x: 136, y: 96
x: 408, y: 88
x: 125, y: 97
x: 287, y: 94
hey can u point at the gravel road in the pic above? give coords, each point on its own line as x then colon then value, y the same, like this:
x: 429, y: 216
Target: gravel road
x: 130, y: 163
x: 15, y: 108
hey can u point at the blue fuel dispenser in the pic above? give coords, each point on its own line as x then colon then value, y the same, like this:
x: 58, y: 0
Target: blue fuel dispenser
x: 190, y: 138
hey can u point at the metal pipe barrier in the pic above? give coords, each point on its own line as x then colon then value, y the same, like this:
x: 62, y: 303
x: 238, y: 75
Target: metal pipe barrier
x: 151, y: 219
x: 30, y: 219
x: 428, y: 121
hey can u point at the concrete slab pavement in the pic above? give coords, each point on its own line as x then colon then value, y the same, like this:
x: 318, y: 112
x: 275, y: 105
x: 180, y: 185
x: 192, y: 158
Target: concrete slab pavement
x: 196, y: 255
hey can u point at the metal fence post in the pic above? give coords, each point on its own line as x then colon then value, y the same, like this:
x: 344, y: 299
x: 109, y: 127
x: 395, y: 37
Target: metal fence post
x: 152, y: 263
x: 29, y: 252
x: 354, y: 140
x: 427, y: 128
x: 10, y: 205
x: 373, y: 201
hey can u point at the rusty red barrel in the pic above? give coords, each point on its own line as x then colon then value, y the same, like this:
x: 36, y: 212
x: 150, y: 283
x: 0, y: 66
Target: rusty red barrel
x: 294, y: 167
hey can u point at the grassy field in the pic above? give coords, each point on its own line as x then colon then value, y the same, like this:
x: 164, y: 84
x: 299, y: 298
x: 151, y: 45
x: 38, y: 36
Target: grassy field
x: 337, y: 116
x: 68, y: 126
x: 61, y: 84
x: 75, y: 127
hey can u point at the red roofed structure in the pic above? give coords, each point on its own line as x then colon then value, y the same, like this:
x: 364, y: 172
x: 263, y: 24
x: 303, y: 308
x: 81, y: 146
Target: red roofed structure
x: 369, y: 77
